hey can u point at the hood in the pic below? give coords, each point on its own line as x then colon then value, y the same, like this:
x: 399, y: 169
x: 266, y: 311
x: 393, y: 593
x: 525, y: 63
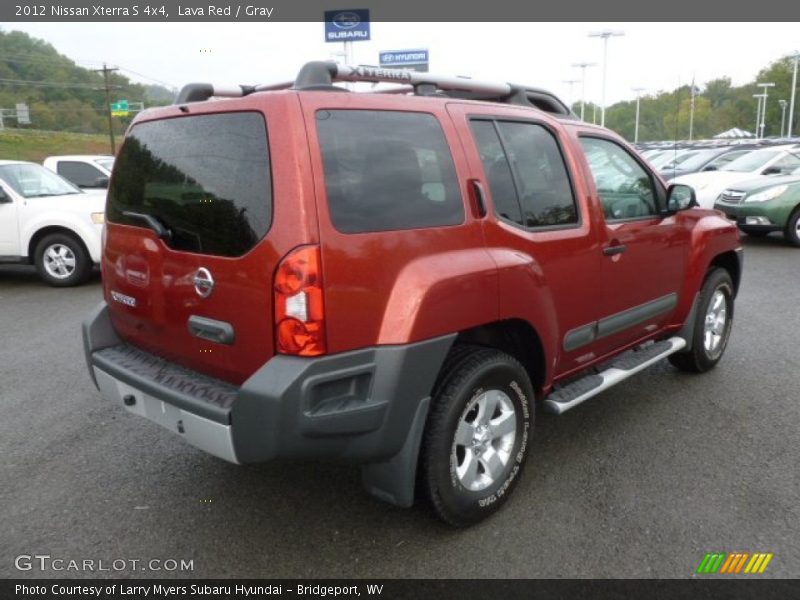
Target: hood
x: 77, y: 203
x: 752, y: 185
x: 713, y: 179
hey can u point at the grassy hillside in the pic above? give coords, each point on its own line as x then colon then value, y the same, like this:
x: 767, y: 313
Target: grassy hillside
x: 36, y: 145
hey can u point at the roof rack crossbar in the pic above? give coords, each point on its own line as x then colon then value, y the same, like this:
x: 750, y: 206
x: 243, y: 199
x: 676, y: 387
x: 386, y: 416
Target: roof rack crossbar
x: 198, y: 92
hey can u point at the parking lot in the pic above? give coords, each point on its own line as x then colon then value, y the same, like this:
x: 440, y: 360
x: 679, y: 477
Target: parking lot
x: 641, y: 481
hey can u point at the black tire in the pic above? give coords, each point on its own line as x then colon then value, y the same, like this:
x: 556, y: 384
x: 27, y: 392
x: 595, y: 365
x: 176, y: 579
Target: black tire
x: 701, y: 358
x: 473, y: 377
x: 756, y: 233
x: 792, y: 232
x: 76, y: 266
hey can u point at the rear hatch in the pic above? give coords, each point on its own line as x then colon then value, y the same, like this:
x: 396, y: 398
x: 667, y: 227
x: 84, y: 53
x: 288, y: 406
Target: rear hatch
x: 192, y: 242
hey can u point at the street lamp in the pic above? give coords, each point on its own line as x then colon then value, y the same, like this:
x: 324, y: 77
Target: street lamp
x: 758, y: 114
x: 605, y: 34
x: 782, y: 104
x: 582, y: 66
x: 638, y: 91
x: 791, y: 102
x: 571, y: 83
x: 764, y: 105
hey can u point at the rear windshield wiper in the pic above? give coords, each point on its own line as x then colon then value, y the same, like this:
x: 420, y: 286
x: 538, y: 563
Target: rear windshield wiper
x: 154, y: 223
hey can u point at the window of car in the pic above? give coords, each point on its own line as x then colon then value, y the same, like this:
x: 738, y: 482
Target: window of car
x: 387, y: 170
x: 787, y: 164
x: 727, y: 158
x: 32, y: 181
x: 82, y: 174
x: 752, y: 161
x: 206, y: 178
x: 526, y: 173
x: 625, y: 188
x: 106, y: 163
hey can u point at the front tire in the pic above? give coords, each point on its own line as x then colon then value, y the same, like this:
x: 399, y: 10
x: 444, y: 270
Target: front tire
x: 477, y: 435
x: 712, y: 327
x: 61, y: 260
x: 792, y: 231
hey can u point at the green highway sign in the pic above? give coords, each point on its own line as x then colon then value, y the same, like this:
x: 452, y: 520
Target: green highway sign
x: 119, y: 108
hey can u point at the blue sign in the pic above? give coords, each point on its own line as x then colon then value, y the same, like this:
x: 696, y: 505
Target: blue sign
x: 403, y: 58
x: 347, y: 25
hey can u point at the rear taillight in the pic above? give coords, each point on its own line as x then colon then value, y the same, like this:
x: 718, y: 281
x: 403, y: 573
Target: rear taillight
x: 299, y: 309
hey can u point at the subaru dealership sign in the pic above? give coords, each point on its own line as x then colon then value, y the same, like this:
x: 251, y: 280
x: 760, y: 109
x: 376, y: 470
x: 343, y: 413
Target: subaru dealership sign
x: 347, y: 25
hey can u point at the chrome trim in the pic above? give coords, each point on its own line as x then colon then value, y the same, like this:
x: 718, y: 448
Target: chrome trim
x: 203, y: 282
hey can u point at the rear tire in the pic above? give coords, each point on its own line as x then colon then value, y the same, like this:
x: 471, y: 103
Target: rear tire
x: 477, y: 435
x: 712, y: 326
x: 792, y: 231
x: 61, y: 260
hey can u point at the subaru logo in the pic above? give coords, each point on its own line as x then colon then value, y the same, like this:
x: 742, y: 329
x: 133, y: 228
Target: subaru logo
x: 346, y: 20
x: 203, y: 282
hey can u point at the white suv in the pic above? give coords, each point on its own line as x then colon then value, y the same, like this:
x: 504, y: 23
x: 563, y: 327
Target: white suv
x: 84, y: 170
x: 47, y: 221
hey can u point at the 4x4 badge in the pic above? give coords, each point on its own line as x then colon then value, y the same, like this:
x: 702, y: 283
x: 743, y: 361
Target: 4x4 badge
x: 203, y: 282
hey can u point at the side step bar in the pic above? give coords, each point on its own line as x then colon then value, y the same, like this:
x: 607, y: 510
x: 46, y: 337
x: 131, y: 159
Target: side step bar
x: 621, y: 368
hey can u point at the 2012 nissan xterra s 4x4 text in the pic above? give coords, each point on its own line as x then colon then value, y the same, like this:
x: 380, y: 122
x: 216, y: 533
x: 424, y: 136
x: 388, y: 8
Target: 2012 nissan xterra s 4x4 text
x: 396, y: 278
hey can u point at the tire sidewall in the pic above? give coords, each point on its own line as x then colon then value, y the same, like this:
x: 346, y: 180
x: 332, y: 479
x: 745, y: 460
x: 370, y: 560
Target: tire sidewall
x: 791, y: 228
x: 472, y: 505
x: 81, y: 260
x: 717, y: 280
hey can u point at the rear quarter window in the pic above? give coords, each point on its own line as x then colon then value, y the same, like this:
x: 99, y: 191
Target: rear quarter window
x: 387, y: 170
x: 206, y: 178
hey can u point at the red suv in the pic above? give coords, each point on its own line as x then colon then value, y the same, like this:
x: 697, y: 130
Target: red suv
x: 395, y: 278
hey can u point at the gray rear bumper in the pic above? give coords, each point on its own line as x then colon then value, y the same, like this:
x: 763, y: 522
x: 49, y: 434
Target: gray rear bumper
x: 365, y: 405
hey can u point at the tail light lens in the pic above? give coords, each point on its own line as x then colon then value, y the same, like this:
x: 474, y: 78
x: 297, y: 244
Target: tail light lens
x: 299, y: 309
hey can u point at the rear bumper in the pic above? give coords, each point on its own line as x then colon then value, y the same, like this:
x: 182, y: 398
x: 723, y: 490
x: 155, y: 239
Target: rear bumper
x: 360, y: 405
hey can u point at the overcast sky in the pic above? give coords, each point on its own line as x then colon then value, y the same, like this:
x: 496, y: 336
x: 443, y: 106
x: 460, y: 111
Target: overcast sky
x: 656, y: 56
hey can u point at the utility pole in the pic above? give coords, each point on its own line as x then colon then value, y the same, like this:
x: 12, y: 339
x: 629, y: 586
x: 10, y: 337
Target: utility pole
x: 106, y: 71
x: 638, y: 91
x: 582, y: 66
x: 791, y: 102
x: 766, y: 86
x: 604, y: 35
x: 691, y: 112
x: 758, y: 114
x: 782, y: 104
x: 571, y: 83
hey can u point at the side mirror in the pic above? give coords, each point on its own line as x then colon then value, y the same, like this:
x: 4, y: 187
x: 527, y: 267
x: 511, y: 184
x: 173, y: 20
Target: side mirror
x: 4, y: 198
x: 771, y: 171
x: 710, y: 168
x: 680, y: 197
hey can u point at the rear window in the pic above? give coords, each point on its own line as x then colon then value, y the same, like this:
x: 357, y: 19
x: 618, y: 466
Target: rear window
x: 387, y: 170
x: 206, y: 178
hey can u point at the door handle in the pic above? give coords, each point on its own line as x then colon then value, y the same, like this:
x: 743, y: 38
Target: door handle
x: 613, y: 250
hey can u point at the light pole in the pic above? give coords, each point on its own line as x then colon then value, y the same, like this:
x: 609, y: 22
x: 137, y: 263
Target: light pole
x: 791, y: 102
x: 582, y: 66
x: 766, y: 86
x: 605, y: 34
x: 638, y: 91
x: 571, y: 83
x: 758, y: 114
x: 782, y: 104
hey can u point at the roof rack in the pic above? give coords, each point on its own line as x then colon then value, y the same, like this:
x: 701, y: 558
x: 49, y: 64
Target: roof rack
x: 321, y: 75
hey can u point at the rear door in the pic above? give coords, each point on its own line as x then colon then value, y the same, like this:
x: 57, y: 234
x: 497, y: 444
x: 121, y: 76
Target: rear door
x: 201, y: 208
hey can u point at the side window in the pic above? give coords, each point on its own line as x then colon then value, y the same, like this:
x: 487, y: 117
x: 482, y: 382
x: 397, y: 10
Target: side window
x: 526, y: 173
x: 498, y: 171
x: 787, y: 164
x: 79, y: 173
x: 387, y: 170
x: 624, y: 186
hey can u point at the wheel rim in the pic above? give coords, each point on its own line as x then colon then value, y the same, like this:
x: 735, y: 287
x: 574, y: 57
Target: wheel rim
x: 715, y: 323
x: 59, y: 261
x: 484, y: 440
x: 797, y: 227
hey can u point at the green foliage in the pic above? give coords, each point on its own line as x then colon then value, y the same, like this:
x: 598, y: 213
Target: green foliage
x: 36, y: 145
x: 719, y: 106
x: 64, y: 97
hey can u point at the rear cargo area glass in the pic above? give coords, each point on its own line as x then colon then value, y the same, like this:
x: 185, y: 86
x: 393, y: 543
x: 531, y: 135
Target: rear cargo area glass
x: 205, y: 178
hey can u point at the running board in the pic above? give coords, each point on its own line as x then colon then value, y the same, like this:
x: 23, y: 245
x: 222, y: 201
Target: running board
x: 621, y: 368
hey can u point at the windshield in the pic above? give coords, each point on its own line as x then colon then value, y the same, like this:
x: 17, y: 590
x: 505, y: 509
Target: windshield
x: 699, y: 159
x: 666, y: 158
x: 751, y: 161
x: 106, y: 163
x: 33, y: 181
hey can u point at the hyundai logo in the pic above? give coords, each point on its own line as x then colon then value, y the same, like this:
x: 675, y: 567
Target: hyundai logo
x: 346, y: 20
x: 203, y: 282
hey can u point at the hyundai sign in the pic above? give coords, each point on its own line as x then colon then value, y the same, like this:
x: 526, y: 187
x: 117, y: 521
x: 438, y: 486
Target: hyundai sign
x: 416, y: 60
x: 347, y: 25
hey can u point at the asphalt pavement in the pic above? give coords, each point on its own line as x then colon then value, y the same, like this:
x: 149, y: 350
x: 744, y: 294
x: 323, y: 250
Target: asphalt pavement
x: 640, y: 481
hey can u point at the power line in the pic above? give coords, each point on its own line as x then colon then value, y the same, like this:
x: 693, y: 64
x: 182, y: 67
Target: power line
x: 164, y: 83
